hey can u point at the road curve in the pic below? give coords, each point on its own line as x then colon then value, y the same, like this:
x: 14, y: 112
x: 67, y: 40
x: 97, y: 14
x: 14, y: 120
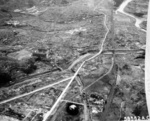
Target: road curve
x: 101, y: 76
x: 137, y: 20
x: 65, y: 90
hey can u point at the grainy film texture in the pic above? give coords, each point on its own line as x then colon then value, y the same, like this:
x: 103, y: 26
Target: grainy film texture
x: 74, y: 60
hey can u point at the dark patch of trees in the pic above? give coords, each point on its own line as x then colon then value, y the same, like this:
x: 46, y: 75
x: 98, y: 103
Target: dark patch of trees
x: 4, y: 78
x: 28, y: 66
x: 12, y: 70
x: 14, y: 114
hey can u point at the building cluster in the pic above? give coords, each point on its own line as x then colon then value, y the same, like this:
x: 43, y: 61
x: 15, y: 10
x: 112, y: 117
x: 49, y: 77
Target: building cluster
x: 95, y: 102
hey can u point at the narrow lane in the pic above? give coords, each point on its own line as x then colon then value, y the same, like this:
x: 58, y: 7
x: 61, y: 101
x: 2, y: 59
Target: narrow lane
x: 101, y: 76
x: 37, y: 90
x: 65, y: 90
x: 110, y: 96
x: 107, y: 52
x: 138, y: 21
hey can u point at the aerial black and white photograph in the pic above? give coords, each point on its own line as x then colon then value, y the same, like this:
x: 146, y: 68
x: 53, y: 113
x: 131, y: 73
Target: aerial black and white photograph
x: 73, y: 60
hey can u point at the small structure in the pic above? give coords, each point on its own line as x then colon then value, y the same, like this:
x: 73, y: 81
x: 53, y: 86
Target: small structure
x: 94, y: 110
x: 96, y: 102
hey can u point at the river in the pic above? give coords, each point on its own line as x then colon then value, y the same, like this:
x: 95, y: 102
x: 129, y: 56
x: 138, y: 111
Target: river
x: 121, y: 10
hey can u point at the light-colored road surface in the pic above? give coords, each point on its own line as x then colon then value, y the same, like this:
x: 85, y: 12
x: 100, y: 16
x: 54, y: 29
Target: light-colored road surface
x: 86, y: 111
x: 65, y: 90
x: 62, y: 94
x: 105, y: 52
x: 121, y: 10
x: 78, y: 60
x: 37, y: 90
x: 102, y: 45
x: 101, y: 76
x: 24, y: 119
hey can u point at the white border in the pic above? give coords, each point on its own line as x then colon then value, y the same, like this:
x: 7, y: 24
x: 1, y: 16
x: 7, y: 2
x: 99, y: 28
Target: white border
x: 147, y: 63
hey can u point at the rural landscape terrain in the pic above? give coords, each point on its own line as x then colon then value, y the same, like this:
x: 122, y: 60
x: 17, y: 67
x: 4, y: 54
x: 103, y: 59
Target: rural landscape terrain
x: 72, y: 60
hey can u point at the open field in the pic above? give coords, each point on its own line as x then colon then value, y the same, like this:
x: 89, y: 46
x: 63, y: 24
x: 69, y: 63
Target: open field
x: 61, y: 56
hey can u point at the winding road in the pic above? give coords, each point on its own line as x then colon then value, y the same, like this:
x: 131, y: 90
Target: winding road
x: 101, y: 51
x: 121, y: 10
x: 76, y: 73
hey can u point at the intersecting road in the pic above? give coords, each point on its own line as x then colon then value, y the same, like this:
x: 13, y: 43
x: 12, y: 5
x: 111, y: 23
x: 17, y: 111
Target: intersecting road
x: 65, y: 90
x: 37, y: 90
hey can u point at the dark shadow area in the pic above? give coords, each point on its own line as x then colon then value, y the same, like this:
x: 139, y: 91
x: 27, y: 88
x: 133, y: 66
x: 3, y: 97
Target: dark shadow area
x: 28, y: 66
x: 5, y: 78
x: 11, y: 71
x: 141, y: 111
x: 72, y: 109
x: 139, y: 14
x: 14, y: 114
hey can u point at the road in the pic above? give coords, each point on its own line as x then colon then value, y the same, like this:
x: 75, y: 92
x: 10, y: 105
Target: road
x: 110, y: 96
x: 108, y: 105
x: 27, y: 79
x: 37, y: 90
x: 65, y: 90
x: 121, y: 10
x: 101, y: 76
x: 76, y: 73
x: 138, y: 51
x: 62, y: 94
x: 107, y: 52
x: 78, y: 60
x: 86, y: 111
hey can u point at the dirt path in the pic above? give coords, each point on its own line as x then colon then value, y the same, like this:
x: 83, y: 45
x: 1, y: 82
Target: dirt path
x: 76, y: 73
x: 121, y: 10
x: 37, y: 90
